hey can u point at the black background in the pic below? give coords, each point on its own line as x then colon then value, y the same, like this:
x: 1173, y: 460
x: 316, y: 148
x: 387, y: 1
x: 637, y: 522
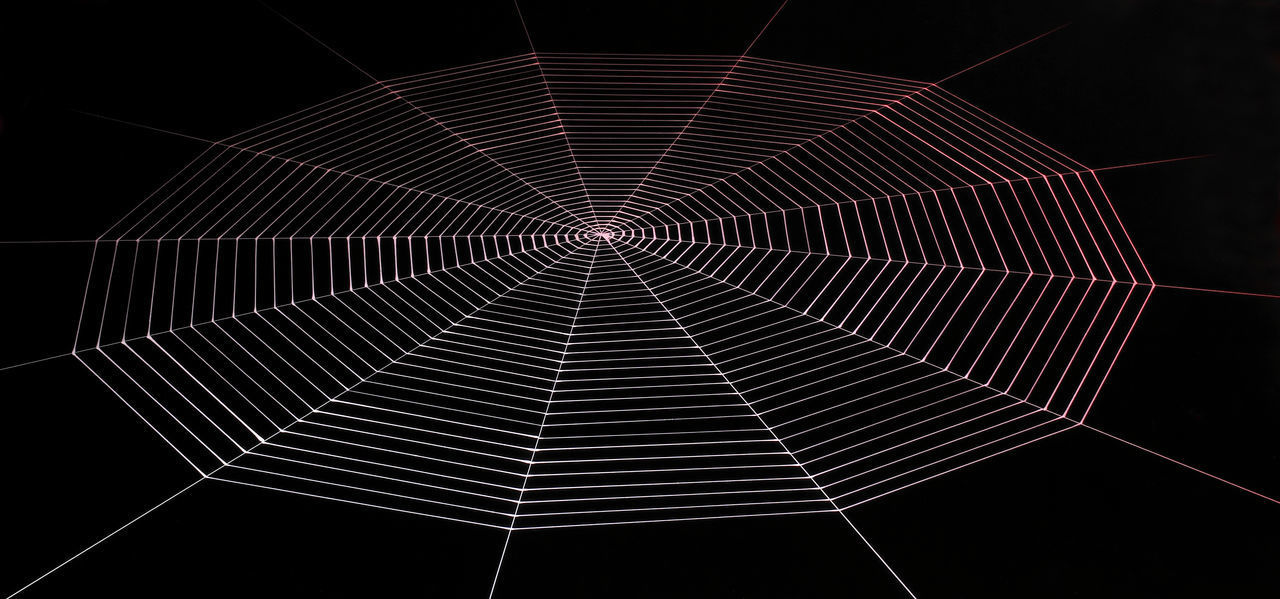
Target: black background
x: 1079, y: 515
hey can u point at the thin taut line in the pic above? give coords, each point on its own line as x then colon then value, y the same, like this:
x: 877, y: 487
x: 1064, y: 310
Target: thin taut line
x: 320, y: 41
x: 108, y: 536
x: 595, y: 216
x: 37, y: 361
x: 697, y: 112
x: 1183, y: 464
x: 419, y: 109
x: 45, y: 241
x: 582, y: 295
x: 1223, y: 291
x: 974, y: 66
x: 1151, y: 162
x: 150, y: 128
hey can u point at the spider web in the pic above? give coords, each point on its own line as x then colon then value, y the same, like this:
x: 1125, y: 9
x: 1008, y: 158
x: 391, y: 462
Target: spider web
x: 576, y: 289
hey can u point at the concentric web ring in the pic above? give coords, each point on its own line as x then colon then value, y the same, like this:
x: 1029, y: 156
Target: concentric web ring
x: 565, y: 290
